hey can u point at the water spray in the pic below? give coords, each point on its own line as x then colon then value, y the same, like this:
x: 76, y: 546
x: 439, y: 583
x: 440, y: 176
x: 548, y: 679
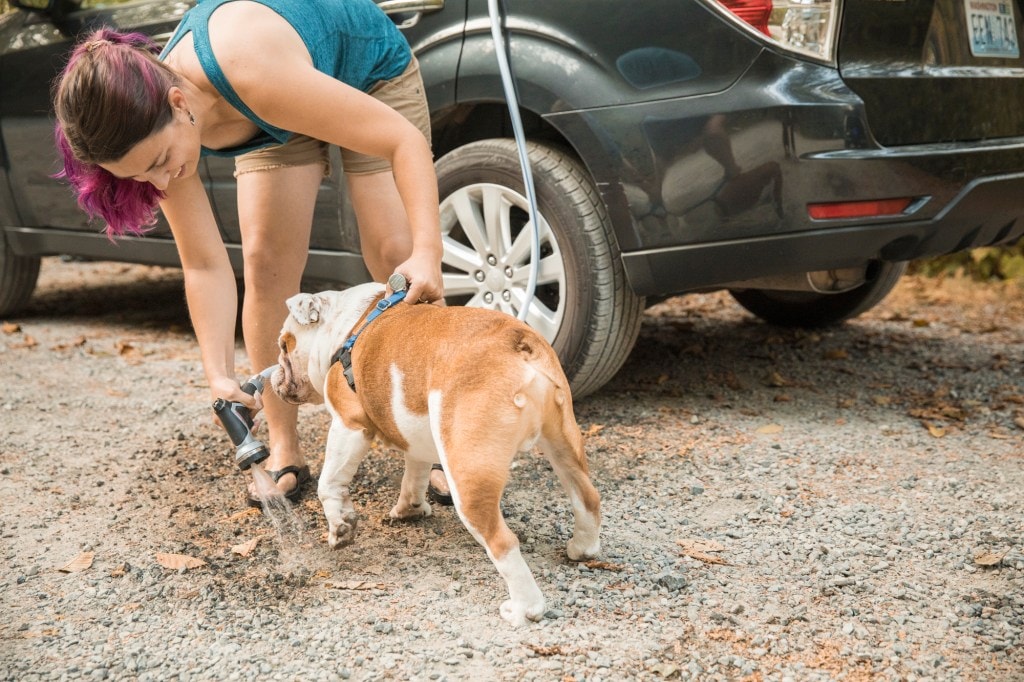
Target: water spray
x: 238, y: 422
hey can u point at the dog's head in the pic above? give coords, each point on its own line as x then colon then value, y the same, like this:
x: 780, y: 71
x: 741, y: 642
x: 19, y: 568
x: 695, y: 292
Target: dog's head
x: 317, y: 325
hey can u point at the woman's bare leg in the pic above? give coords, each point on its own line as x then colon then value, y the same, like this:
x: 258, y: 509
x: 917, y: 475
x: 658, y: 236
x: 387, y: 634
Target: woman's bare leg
x: 275, y: 209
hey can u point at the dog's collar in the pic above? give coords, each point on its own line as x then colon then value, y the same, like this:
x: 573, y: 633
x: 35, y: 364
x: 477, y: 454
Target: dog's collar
x: 344, y: 354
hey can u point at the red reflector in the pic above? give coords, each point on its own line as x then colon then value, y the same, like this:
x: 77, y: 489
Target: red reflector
x: 858, y: 209
x: 754, y: 12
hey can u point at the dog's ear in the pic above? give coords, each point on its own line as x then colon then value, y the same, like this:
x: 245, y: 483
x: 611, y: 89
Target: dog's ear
x: 307, y: 308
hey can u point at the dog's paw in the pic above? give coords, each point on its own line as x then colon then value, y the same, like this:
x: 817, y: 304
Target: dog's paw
x: 579, y: 550
x: 406, y: 512
x: 519, y: 614
x: 344, y: 533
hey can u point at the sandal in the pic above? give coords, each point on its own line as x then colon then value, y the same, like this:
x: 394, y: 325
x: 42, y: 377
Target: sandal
x: 436, y: 495
x: 301, y: 477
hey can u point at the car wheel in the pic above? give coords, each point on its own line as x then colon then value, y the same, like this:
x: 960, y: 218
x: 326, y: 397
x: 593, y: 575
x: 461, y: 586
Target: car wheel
x: 18, y: 275
x: 582, y: 305
x: 811, y: 309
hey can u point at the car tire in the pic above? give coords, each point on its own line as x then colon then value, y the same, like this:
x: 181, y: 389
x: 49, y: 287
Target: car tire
x: 811, y: 309
x: 583, y: 304
x: 18, y: 275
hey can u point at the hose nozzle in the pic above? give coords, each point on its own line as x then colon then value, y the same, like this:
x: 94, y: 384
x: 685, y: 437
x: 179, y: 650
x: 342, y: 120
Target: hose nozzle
x: 238, y: 423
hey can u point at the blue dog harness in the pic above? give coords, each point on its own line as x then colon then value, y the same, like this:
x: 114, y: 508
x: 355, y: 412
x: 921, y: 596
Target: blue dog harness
x: 344, y: 354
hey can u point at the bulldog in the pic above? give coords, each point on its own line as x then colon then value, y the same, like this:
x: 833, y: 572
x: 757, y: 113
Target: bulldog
x: 467, y: 387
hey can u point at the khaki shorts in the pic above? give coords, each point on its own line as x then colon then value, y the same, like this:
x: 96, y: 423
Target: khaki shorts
x: 404, y: 94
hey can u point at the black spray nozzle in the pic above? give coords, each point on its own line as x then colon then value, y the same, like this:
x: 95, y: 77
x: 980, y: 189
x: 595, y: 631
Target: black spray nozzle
x: 238, y: 423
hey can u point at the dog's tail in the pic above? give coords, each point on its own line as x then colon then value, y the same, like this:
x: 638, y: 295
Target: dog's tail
x: 545, y: 383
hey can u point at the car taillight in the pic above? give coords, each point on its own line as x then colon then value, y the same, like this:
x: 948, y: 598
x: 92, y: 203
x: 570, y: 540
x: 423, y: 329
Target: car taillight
x: 805, y: 26
x: 754, y: 12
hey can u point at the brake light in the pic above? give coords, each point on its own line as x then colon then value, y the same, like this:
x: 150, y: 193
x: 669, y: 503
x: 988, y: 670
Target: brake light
x: 754, y: 12
x: 859, y: 209
x: 805, y: 26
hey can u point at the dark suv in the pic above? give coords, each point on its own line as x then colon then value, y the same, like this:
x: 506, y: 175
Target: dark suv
x: 797, y: 154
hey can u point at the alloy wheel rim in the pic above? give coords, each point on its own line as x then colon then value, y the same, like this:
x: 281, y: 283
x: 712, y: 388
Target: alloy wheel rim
x: 486, y: 234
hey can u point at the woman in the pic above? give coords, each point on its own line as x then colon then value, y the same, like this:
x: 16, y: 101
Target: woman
x: 132, y: 127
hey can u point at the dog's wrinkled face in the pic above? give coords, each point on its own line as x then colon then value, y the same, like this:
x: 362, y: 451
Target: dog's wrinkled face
x: 292, y: 381
x: 316, y: 326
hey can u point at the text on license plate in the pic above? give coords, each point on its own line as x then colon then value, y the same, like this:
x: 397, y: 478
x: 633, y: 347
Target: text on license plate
x: 992, y: 28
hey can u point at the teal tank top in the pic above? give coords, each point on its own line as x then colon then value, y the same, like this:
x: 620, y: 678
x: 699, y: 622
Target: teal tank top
x: 351, y: 40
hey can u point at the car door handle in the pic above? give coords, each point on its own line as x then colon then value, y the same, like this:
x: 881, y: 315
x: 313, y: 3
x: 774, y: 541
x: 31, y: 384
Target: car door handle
x: 415, y: 9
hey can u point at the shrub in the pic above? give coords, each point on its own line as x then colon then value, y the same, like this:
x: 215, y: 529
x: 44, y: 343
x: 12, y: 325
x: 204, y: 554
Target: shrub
x: 1006, y: 262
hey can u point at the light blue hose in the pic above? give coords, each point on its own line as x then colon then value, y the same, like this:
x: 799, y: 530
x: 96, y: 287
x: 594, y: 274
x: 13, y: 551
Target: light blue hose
x: 524, y: 160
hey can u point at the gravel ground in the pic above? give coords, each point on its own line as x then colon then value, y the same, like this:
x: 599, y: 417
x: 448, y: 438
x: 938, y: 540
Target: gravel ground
x: 778, y: 505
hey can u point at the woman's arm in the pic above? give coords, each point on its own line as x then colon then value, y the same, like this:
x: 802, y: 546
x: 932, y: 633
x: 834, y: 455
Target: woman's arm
x: 209, y: 282
x: 272, y: 72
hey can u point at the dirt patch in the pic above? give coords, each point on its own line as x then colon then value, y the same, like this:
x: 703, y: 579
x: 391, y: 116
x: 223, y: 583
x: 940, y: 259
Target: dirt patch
x: 777, y: 503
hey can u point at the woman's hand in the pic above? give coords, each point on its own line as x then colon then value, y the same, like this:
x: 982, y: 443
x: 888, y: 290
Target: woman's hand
x: 423, y: 272
x: 229, y: 389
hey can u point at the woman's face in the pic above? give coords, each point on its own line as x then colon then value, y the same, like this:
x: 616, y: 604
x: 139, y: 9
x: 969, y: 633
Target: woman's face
x: 168, y: 154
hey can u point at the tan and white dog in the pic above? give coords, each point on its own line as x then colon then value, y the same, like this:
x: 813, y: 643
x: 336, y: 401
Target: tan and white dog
x: 466, y: 387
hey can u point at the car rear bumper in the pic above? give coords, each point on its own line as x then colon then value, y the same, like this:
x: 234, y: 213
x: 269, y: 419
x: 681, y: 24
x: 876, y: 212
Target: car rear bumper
x: 987, y: 212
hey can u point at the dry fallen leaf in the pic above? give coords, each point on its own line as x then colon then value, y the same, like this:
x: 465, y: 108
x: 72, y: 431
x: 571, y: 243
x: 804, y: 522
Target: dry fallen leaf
x: 79, y: 563
x: 707, y: 558
x: 936, y: 431
x: 988, y: 558
x: 700, y: 545
x: 594, y: 429
x: 251, y: 511
x: 10, y: 328
x: 699, y: 550
x: 836, y: 354
x: 119, y: 572
x: 555, y: 650
x: 76, y: 342
x: 124, y: 348
x: 245, y: 548
x: 597, y: 565
x: 355, y: 585
x: 178, y: 561
x: 770, y: 429
x: 27, y: 342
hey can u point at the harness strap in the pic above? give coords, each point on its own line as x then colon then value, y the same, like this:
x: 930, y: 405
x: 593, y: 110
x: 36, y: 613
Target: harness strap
x: 344, y: 354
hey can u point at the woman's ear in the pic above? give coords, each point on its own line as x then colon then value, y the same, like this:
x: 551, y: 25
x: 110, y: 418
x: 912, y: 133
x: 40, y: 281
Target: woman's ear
x: 177, y: 101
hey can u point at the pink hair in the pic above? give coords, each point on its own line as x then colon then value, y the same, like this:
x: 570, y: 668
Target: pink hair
x: 111, y: 95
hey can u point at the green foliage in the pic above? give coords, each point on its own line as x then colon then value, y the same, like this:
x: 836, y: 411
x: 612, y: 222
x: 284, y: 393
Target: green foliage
x: 1006, y: 262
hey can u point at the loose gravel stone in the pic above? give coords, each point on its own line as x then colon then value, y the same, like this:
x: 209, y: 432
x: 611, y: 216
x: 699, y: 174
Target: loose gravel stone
x: 777, y: 504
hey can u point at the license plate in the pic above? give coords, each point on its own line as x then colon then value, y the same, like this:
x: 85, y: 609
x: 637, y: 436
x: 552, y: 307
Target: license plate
x: 992, y: 28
